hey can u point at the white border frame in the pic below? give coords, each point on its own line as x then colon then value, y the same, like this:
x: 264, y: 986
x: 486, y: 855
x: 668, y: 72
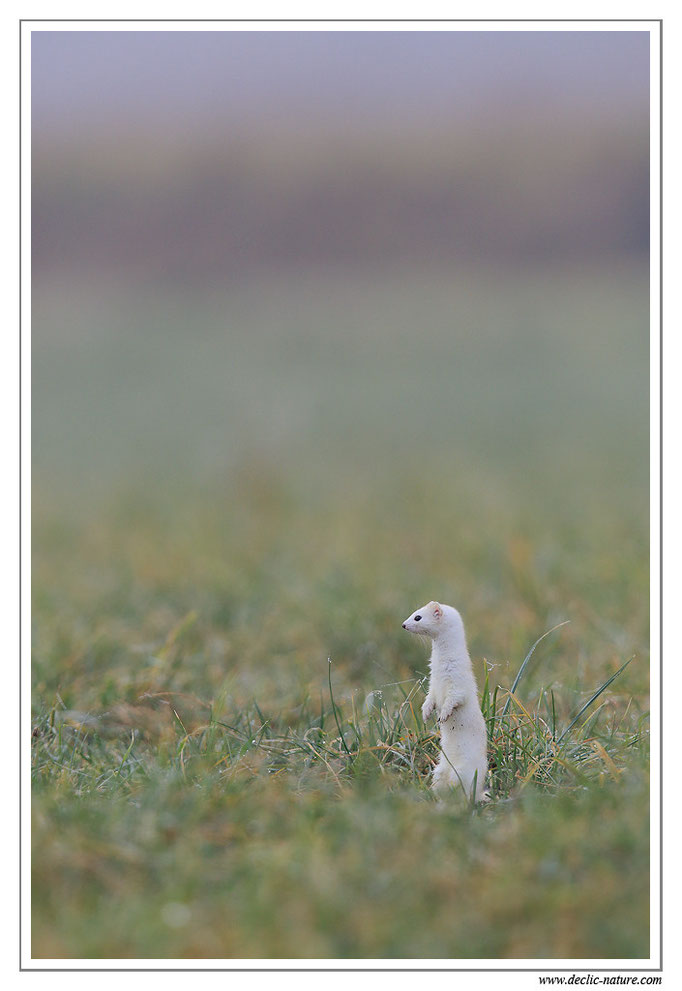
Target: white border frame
x: 483, y: 966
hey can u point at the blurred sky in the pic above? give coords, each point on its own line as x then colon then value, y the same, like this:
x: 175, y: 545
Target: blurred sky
x: 209, y: 155
x: 370, y: 76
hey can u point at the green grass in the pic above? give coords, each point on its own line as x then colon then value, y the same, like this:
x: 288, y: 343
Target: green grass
x: 206, y: 783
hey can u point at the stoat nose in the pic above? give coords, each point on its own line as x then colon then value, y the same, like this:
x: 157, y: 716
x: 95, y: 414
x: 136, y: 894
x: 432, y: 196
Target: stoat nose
x: 404, y: 626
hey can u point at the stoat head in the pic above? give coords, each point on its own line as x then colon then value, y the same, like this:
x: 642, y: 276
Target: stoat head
x: 428, y: 621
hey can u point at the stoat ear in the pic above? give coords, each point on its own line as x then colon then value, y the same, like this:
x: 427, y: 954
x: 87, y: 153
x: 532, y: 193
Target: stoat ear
x: 437, y: 610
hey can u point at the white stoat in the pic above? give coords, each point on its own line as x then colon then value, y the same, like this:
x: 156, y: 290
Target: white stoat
x: 453, y: 696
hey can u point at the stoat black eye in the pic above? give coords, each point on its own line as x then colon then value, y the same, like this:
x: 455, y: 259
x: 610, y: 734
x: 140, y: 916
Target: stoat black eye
x: 417, y: 618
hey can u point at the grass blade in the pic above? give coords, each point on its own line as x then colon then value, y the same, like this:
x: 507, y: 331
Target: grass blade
x: 336, y: 717
x: 526, y: 659
x: 592, y: 698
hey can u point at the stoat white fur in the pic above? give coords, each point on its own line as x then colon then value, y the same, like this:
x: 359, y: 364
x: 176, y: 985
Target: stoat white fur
x: 453, y: 697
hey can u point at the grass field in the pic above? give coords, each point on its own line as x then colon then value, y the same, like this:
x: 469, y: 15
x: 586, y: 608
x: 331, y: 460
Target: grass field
x: 232, y: 488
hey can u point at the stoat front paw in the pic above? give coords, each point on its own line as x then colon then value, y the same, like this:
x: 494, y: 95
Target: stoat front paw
x: 427, y: 709
x: 446, y: 711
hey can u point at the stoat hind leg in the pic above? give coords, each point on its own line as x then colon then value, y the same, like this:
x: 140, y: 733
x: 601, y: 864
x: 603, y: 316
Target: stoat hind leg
x: 446, y: 776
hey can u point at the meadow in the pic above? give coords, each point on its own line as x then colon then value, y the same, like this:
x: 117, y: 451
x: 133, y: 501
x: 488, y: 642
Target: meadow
x: 238, y: 496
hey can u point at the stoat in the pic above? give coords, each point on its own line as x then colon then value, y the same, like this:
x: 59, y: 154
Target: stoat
x: 453, y: 697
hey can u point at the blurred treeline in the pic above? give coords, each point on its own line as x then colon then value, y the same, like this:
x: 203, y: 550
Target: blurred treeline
x: 205, y: 207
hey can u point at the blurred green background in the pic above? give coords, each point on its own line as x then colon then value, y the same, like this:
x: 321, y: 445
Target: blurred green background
x: 325, y: 326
